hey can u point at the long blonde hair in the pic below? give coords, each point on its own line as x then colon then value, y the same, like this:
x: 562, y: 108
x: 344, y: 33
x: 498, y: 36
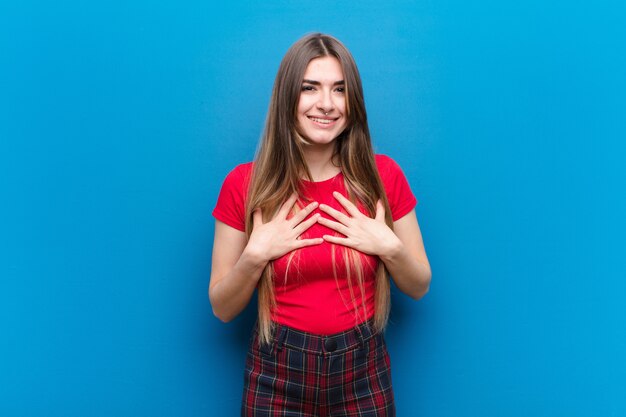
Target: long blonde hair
x: 279, y: 165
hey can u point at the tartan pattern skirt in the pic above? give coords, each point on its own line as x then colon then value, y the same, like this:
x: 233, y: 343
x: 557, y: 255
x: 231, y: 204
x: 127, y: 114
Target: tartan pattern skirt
x: 301, y: 374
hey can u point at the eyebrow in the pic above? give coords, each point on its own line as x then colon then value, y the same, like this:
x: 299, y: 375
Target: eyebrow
x: 313, y: 82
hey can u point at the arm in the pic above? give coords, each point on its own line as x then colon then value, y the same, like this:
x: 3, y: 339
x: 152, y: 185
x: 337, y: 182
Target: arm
x: 402, y: 251
x: 238, y: 262
x: 406, y: 261
x: 234, y: 272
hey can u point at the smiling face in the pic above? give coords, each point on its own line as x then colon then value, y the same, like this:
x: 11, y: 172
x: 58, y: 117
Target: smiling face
x: 321, y: 112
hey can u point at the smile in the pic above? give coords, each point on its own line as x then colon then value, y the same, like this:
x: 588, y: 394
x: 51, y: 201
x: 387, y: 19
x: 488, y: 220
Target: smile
x: 321, y: 121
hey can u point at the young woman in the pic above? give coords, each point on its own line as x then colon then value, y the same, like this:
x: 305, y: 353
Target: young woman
x: 316, y: 223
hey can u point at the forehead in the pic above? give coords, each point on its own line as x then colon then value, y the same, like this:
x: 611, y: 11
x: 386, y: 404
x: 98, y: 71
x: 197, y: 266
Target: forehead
x: 322, y: 69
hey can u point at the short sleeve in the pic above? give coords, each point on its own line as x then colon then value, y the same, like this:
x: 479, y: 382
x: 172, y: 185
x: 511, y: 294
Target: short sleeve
x: 399, y: 194
x: 230, y: 207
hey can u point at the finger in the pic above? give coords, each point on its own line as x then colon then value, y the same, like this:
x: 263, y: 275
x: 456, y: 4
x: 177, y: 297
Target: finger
x: 302, y: 214
x: 347, y: 204
x: 257, y: 217
x: 380, y: 211
x: 302, y: 227
x: 301, y: 243
x: 336, y: 239
x: 336, y: 226
x: 335, y: 213
x: 287, y: 205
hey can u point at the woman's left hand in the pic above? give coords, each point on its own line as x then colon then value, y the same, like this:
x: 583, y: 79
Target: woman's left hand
x: 369, y: 235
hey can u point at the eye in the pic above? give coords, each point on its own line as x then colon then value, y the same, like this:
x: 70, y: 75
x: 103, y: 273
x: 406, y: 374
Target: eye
x: 340, y: 90
x: 308, y: 88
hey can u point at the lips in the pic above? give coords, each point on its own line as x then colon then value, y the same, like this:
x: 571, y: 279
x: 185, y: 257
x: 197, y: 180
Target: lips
x: 324, y: 121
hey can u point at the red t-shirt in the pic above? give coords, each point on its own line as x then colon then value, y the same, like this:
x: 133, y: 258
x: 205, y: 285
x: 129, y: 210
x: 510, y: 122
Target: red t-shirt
x: 311, y: 295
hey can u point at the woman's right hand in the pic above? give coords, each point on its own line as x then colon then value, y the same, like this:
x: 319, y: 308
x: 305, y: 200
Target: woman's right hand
x: 281, y: 235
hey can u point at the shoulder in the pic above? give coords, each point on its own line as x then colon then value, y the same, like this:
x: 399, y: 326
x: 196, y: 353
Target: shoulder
x: 239, y: 176
x: 241, y: 171
x: 237, y: 181
x: 386, y: 165
x: 231, y: 201
x: 399, y: 194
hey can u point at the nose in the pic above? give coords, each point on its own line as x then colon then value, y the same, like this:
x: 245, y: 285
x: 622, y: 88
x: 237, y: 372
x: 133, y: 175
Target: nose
x: 325, y: 103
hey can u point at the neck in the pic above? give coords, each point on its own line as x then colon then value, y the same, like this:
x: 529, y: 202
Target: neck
x: 319, y: 161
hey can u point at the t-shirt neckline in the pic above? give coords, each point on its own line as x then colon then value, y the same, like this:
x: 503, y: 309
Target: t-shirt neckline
x: 307, y: 182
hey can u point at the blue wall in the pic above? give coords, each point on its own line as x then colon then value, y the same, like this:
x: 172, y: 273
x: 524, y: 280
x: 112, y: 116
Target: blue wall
x: 119, y: 120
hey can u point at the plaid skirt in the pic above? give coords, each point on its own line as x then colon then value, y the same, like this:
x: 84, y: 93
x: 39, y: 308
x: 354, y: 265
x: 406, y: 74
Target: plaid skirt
x: 301, y: 374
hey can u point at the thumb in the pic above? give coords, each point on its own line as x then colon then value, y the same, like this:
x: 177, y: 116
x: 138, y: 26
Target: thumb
x: 257, y: 217
x: 380, y: 211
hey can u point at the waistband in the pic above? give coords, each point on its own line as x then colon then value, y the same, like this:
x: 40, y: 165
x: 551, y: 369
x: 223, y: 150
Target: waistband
x: 285, y: 336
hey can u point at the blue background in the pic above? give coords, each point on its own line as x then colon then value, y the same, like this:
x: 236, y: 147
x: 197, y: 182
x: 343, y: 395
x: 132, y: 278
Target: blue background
x: 119, y: 121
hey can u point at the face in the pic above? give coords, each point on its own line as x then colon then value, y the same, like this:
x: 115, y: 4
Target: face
x: 322, y: 104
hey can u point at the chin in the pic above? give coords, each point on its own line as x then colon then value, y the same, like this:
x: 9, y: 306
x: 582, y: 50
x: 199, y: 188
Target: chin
x: 319, y: 141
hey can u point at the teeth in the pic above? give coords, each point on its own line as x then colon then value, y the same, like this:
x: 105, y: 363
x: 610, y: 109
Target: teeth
x: 323, y: 121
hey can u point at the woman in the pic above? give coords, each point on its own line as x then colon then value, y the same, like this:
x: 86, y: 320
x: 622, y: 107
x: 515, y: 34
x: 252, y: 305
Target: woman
x: 317, y: 223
